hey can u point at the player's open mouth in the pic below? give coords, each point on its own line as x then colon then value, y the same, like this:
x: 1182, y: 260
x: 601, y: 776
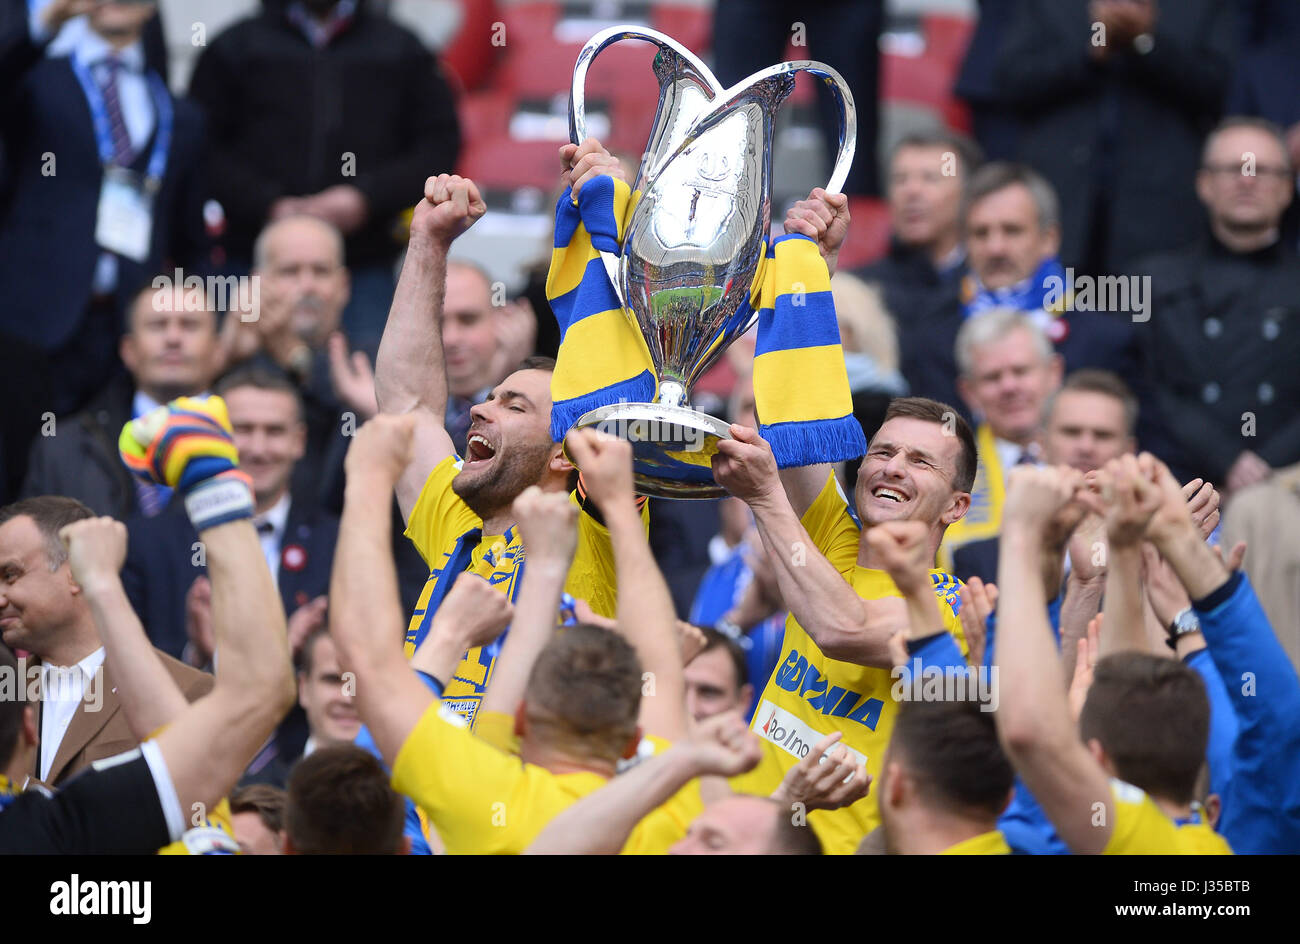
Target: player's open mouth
x: 888, y: 494
x: 478, y: 449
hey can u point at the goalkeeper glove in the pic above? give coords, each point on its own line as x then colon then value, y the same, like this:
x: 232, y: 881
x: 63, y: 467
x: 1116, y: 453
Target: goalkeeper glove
x: 188, y: 445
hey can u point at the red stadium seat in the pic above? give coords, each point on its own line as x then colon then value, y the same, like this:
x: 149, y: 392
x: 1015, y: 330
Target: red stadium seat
x: 470, y: 54
x: 689, y: 24
x: 505, y: 164
x: 946, y: 38
x: 485, y: 115
x: 868, y: 237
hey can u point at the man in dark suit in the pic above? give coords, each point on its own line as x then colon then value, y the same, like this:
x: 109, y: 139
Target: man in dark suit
x: 170, y: 352
x: 1114, y: 98
x: 44, y: 612
x: 104, y: 188
x: 165, y: 572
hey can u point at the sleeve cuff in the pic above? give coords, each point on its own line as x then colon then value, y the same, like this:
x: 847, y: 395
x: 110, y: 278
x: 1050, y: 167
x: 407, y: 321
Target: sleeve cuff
x: 431, y: 683
x: 1220, y: 596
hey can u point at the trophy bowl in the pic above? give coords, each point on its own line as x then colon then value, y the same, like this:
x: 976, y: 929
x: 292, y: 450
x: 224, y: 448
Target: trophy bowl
x: 693, y: 251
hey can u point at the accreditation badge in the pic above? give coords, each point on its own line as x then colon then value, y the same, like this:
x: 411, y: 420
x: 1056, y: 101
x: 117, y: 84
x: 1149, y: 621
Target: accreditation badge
x: 124, y: 223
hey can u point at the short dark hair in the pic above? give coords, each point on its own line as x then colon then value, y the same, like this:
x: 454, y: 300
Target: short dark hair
x: 307, y: 651
x: 1096, y: 380
x: 1152, y: 717
x: 716, y: 640
x: 999, y: 175
x: 1271, y: 128
x: 932, y: 411
x: 51, y: 514
x: 969, y: 154
x: 537, y: 362
x: 789, y: 839
x: 11, y: 709
x: 262, y: 378
x: 951, y: 748
x: 340, y: 803
x: 585, y: 691
x: 267, y: 801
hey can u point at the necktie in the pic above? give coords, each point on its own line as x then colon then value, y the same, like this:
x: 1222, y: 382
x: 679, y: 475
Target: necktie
x: 123, y: 153
x: 264, y: 528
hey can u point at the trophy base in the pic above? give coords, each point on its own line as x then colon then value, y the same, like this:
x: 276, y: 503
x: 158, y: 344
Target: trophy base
x: 672, y: 447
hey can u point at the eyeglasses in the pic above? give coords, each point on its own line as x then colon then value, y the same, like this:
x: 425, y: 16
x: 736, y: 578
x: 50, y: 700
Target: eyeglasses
x: 1260, y: 170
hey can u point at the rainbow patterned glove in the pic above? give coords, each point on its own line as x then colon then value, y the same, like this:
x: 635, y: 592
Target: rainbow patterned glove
x: 188, y: 445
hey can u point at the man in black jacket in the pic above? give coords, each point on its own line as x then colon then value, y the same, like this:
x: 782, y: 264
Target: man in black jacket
x: 169, y: 352
x: 325, y: 108
x: 1223, y: 342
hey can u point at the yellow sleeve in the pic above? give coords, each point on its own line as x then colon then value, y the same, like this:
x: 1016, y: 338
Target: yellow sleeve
x: 498, y: 729
x: 1141, y: 828
x: 439, y: 516
x: 593, y: 577
x: 831, y: 527
x: 214, y: 836
x: 477, y: 798
x: 666, y: 824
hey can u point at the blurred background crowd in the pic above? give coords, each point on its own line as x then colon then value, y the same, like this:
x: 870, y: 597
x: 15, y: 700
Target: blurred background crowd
x: 1001, y: 151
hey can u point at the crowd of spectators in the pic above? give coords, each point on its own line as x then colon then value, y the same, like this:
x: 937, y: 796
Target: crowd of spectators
x: 273, y: 542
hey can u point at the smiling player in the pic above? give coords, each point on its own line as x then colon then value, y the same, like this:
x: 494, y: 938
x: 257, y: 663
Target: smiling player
x: 458, y: 511
x: 834, y: 673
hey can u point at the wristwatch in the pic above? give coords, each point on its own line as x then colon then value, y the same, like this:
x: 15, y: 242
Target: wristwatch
x: 1185, y: 622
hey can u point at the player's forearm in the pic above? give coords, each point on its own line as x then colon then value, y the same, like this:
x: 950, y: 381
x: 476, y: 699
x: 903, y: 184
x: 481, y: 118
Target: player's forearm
x: 150, y: 696
x: 531, y: 629
x: 816, y: 593
x: 1033, y: 715
x: 923, y: 617
x: 600, y: 823
x: 1124, y: 628
x: 647, y: 617
x: 1082, y: 602
x: 440, y: 652
x: 1199, y: 569
x: 409, y: 370
x: 365, y: 608
x: 252, y: 647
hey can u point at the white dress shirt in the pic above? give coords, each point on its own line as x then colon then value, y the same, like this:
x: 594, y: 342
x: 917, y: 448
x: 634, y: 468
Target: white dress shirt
x: 278, y: 517
x: 62, y: 689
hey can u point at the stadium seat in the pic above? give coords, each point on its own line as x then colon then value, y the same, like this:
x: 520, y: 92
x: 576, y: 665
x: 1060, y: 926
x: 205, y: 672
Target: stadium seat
x: 470, y: 54
x: 502, y: 163
x: 868, y: 237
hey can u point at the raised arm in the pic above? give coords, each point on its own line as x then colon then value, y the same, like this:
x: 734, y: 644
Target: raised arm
x: 646, y: 616
x: 548, y: 524
x: 600, y: 823
x: 836, y: 618
x: 188, y: 446
x: 410, y: 375
x: 366, y: 616
x: 472, y: 614
x: 1033, y: 715
x: 1130, y: 500
x: 149, y: 695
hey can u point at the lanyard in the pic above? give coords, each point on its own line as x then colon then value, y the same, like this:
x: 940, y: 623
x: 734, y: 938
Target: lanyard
x: 103, y: 134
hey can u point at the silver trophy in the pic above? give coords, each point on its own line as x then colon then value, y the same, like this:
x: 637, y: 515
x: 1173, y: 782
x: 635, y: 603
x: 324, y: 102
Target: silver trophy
x: 694, y: 243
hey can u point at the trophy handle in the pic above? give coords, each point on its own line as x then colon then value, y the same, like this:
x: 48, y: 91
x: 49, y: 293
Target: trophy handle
x: 607, y: 37
x: 848, y: 131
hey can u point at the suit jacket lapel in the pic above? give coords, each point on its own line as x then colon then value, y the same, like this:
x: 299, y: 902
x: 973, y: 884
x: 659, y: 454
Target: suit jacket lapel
x: 85, y: 724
